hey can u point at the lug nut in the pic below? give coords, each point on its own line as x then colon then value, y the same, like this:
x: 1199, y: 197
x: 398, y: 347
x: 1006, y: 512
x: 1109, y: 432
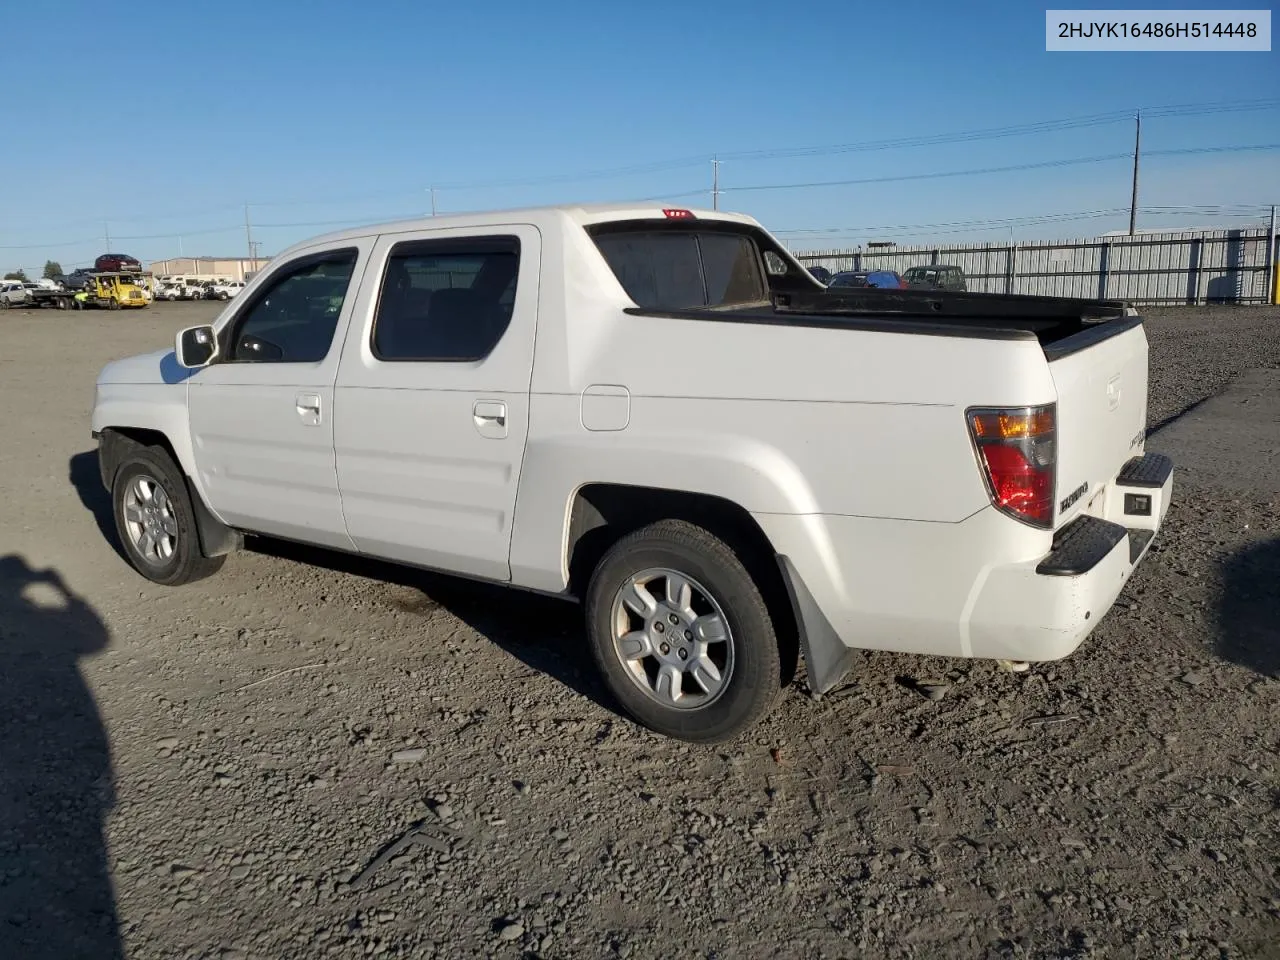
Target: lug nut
x: 688, y: 634
x: 684, y: 654
x: 673, y: 618
x: 665, y: 648
x: 659, y: 626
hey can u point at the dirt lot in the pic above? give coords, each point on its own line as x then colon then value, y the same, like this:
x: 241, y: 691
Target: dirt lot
x: 205, y: 772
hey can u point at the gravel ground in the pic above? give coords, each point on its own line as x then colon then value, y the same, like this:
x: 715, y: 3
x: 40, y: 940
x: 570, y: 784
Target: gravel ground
x: 310, y: 756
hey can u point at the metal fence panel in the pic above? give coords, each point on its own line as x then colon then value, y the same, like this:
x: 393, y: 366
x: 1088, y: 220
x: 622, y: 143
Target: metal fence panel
x: 1199, y: 266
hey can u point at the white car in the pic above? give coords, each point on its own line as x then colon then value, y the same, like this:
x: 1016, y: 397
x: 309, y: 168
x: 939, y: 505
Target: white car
x: 226, y: 289
x: 13, y: 293
x: 659, y: 413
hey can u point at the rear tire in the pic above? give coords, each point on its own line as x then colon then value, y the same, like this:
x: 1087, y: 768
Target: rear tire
x: 156, y: 521
x: 696, y: 658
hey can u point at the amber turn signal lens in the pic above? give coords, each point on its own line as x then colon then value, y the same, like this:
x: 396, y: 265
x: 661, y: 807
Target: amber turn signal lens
x: 1019, y: 425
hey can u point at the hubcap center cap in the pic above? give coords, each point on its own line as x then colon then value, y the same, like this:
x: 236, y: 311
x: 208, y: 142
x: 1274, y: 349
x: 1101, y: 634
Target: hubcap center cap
x: 672, y: 636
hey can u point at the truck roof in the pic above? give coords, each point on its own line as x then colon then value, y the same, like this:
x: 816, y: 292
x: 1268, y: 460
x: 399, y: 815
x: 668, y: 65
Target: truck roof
x: 581, y: 214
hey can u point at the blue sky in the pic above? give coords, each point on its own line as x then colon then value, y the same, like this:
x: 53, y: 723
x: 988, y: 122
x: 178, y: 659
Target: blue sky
x: 331, y: 111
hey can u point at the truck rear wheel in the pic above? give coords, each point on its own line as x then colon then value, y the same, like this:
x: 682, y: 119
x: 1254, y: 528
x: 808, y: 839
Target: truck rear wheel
x: 682, y: 634
x: 156, y: 522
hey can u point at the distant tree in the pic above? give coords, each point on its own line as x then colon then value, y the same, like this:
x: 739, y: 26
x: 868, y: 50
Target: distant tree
x: 16, y: 275
x: 52, y: 268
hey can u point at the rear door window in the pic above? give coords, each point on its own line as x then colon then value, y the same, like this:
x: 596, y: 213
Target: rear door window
x: 446, y: 300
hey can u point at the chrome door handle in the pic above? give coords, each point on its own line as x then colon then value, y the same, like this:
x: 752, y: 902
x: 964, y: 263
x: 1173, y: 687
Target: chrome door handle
x: 490, y: 418
x: 308, y: 407
x: 493, y: 411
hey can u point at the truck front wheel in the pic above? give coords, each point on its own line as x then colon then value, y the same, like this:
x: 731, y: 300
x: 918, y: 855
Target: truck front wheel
x: 682, y: 634
x: 156, y: 522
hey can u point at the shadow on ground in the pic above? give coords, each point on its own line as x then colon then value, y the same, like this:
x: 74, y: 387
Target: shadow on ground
x: 1249, y: 612
x: 544, y: 633
x: 83, y: 474
x: 56, y: 785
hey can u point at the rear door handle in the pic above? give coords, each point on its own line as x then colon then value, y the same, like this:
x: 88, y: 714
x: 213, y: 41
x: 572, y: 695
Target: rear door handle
x: 308, y: 406
x: 490, y: 418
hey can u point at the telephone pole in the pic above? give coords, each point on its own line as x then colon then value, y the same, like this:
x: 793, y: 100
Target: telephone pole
x: 1137, y: 149
x: 106, y: 236
x: 248, y: 232
x: 1273, y: 253
x: 432, y: 191
x: 715, y: 183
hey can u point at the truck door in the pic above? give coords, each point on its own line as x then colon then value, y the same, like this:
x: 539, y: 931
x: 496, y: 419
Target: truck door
x: 262, y: 415
x: 432, y: 398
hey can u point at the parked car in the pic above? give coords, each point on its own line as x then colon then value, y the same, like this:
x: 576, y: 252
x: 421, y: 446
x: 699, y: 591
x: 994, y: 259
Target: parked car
x: 936, y: 277
x: 477, y: 394
x: 169, y: 291
x: 117, y: 263
x: 13, y: 293
x: 77, y: 279
x: 821, y: 274
x: 884, y: 279
x: 226, y: 289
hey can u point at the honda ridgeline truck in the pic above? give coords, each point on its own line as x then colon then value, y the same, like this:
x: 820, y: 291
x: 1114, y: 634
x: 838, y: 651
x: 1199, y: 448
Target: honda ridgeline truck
x: 661, y: 414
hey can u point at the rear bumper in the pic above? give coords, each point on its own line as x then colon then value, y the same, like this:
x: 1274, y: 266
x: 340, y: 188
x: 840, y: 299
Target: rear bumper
x: 933, y: 588
x: 1045, y: 610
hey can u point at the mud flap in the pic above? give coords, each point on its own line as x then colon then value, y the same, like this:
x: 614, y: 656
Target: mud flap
x: 826, y: 657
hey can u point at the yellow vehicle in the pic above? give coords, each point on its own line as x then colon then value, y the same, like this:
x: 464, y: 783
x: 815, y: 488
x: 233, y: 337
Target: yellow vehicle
x: 113, y: 291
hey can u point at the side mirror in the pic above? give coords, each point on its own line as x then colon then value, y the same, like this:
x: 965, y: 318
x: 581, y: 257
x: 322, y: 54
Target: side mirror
x: 196, y: 347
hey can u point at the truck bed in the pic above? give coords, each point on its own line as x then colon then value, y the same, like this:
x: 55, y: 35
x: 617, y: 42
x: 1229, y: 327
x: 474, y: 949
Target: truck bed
x: 1062, y: 325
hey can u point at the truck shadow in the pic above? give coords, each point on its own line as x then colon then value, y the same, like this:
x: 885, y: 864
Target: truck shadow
x: 1249, y: 611
x: 84, y: 476
x: 56, y: 783
x: 544, y: 633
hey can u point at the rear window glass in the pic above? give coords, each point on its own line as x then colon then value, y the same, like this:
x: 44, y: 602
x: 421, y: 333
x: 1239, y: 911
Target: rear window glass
x: 677, y: 270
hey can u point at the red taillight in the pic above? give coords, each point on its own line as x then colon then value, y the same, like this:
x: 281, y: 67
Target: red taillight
x: 1018, y: 454
x: 678, y: 214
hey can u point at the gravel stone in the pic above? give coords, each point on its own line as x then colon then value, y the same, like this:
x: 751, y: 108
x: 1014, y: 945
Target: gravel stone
x: 511, y: 931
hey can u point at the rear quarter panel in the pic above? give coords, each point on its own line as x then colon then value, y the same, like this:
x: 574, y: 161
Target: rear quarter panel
x: 779, y: 418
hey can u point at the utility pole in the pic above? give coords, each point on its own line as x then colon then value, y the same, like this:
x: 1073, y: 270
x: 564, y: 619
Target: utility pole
x: 715, y: 183
x: 106, y: 236
x: 1272, y: 296
x: 433, y: 201
x: 1137, y: 148
x: 248, y: 232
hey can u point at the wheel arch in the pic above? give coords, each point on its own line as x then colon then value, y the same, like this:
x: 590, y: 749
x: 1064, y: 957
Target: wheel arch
x: 115, y: 444
x: 603, y: 513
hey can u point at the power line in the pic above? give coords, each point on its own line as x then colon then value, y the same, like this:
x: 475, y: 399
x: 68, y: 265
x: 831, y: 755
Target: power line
x: 1013, y: 130
x: 1074, y: 161
x: 1230, y: 211
x: 934, y: 175
x: 658, y: 166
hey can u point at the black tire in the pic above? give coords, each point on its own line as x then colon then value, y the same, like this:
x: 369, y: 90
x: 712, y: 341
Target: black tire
x: 185, y: 563
x: 113, y: 304
x: 751, y: 687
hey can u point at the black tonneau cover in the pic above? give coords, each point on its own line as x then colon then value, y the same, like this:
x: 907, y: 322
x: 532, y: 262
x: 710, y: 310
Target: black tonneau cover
x: 849, y: 301
x: 1062, y: 325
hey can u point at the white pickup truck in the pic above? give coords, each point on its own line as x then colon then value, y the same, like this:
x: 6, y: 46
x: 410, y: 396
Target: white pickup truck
x: 659, y: 413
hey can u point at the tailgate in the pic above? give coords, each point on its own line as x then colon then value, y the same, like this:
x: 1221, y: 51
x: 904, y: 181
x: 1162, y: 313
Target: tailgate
x: 1102, y: 413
